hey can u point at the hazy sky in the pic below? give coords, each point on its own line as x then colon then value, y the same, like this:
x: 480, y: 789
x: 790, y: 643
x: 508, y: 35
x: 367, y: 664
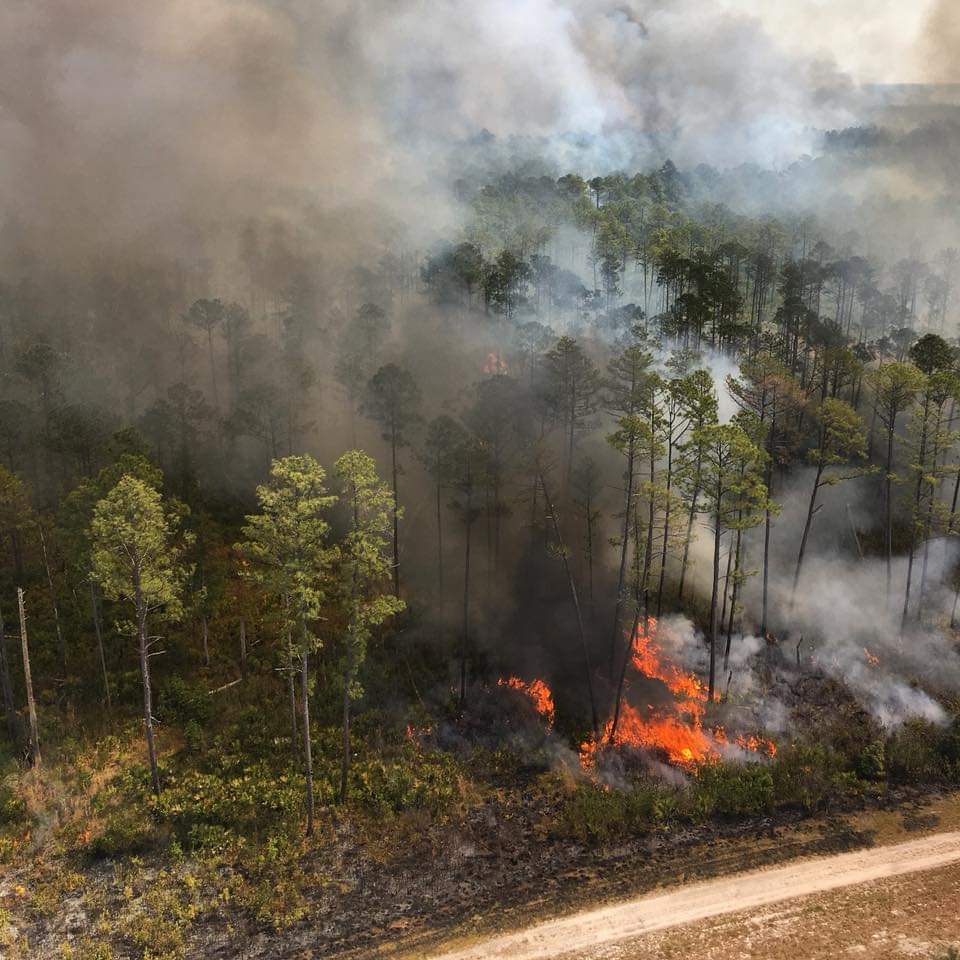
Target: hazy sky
x: 874, y: 40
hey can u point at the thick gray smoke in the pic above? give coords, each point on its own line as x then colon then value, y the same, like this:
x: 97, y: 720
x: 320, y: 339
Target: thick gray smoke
x: 166, y: 127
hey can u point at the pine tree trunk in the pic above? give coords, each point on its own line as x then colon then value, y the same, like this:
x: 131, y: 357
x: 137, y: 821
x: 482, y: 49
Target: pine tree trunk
x: 684, y: 563
x: 292, y: 694
x: 143, y: 647
x: 206, y: 641
x: 888, y: 508
x: 576, y: 606
x: 243, y: 648
x: 465, y: 634
x: 53, y: 601
x: 28, y: 683
x: 14, y: 729
x: 439, y: 548
x: 811, y: 510
x: 666, y: 525
x: 345, y: 759
x: 396, y: 526
x: 766, y: 523
x: 713, y: 606
x: 305, y: 707
x: 624, y: 550
x: 98, y: 627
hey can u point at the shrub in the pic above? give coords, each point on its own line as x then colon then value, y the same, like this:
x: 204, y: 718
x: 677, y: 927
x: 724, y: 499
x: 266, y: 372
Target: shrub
x: 127, y: 831
x: 732, y: 789
x: 183, y: 702
x: 207, y: 809
x: 426, y: 781
x: 871, y: 764
x: 805, y: 776
x: 916, y: 753
x: 594, y: 813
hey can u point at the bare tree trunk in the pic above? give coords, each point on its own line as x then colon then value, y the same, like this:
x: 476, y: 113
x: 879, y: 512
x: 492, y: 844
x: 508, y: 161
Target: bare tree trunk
x: 14, y: 728
x: 624, y: 550
x: 345, y: 759
x: 53, y: 601
x: 28, y: 683
x: 305, y: 707
x: 465, y: 634
x: 291, y: 690
x: 576, y: 605
x: 714, y: 621
x: 766, y: 523
x: 243, y: 648
x: 396, y: 526
x: 213, y: 370
x: 439, y: 548
x: 618, y: 700
x: 811, y: 510
x: 206, y: 640
x: 690, y: 519
x: 98, y: 627
x: 733, y: 601
x: 143, y: 646
x: 888, y: 509
x: 666, y: 524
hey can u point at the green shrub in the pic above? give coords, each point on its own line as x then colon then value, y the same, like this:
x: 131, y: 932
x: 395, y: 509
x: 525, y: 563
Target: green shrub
x: 916, y: 753
x: 871, y: 764
x: 249, y: 802
x: 805, y: 776
x: 732, y: 789
x: 181, y: 701
x: 594, y: 813
x: 127, y: 831
x: 414, y: 781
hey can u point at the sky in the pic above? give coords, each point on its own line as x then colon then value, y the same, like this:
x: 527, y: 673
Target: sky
x: 875, y: 41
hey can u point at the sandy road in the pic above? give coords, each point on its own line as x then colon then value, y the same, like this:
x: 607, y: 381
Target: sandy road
x: 580, y: 933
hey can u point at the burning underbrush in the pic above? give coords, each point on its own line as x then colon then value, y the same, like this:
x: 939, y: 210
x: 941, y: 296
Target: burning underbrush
x: 658, y: 722
x: 661, y: 712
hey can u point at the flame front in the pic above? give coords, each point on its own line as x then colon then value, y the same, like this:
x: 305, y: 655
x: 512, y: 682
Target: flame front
x: 674, y: 731
x: 537, y: 692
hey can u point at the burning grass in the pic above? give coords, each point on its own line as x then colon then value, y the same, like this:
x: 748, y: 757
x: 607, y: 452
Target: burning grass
x: 537, y: 692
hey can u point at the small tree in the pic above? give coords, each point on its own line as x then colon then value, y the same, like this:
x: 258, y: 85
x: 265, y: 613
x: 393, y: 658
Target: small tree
x: 393, y: 400
x: 206, y: 316
x: 135, y: 557
x: 733, y: 496
x: 440, y: 455
x: 287, y: 546
x: 572, y: 391
x: 841, y: 437
x: 364, y: 565
x: 895, y: 386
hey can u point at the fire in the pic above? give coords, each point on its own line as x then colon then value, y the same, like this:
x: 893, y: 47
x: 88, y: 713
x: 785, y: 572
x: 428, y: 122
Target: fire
x: 494, y: 365
x: 675, y: 731
x: 872, y: 658
x: 537, y: 692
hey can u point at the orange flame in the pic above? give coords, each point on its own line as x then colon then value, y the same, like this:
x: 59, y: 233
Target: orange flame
x: 675, y: 731
x: 872, y: 658
x: 494, y: 365
x: 537, y: 692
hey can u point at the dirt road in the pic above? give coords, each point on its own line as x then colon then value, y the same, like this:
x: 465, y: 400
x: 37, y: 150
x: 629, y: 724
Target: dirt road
x: 583, y: 933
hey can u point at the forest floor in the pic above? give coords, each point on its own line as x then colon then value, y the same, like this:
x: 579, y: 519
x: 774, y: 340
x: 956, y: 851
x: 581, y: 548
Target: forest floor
x: 436, y: 886
x: 906, y: 913
x: 785, y: 910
